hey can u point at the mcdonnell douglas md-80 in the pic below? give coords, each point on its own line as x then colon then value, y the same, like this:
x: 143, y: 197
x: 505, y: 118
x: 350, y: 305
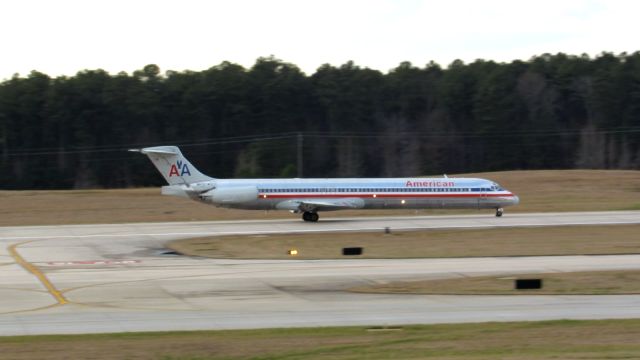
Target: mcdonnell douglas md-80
x: 309, y: 196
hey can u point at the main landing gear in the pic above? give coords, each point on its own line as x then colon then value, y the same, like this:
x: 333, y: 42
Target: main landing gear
x: 499, y: 212
x: 310, y: 216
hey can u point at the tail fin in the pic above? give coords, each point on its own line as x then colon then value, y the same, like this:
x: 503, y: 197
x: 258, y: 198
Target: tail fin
x: 175, y: 168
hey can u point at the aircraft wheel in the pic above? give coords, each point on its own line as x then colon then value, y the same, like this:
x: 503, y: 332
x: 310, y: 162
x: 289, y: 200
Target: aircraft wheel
x: 499, y: 212
x: 309, y: 216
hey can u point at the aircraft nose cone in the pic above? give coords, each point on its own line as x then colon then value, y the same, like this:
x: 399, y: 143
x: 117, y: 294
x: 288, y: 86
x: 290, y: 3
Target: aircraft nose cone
x: 516, y: 200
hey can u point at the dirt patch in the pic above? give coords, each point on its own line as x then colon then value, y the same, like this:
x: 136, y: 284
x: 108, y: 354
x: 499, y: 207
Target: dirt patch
x: 570, y: 283
x: 554, y: 240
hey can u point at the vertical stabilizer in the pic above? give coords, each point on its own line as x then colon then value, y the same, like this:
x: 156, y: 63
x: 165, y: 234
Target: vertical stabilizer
x: 173, y: 166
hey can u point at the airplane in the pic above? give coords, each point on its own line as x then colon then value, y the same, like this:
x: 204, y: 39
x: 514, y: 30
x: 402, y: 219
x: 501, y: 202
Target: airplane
x: 309, y: 196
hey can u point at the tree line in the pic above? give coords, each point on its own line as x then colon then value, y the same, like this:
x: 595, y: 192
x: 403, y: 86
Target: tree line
x: 550, y: 112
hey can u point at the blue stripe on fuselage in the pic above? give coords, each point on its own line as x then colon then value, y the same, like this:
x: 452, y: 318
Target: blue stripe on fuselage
x: 353, y: 183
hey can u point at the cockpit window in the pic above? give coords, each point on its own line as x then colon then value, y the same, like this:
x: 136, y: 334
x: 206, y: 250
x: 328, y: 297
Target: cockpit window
x: 496, y: 187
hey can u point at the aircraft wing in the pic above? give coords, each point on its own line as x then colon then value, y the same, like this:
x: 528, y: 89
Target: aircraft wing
x: 320, y: 204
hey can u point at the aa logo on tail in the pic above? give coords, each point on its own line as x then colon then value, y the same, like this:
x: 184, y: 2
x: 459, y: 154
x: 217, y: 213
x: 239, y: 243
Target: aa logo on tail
x: 179, y: 169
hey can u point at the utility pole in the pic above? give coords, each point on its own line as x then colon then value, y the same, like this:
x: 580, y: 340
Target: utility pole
x: 300, y: 159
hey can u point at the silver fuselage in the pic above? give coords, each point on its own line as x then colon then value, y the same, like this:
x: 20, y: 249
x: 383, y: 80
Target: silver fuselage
x: 369, y: 193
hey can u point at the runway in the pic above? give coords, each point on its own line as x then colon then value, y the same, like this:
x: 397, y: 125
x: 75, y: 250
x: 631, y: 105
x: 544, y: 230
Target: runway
x: 111, y: 278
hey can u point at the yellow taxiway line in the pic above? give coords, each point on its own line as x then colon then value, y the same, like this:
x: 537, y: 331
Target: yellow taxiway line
x: 37, y: 273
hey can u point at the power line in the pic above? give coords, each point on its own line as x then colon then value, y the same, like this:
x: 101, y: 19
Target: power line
x: 323, y: 135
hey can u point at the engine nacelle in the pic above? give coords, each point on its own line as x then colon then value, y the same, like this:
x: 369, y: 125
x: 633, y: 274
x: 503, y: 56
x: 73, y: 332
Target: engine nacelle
x: 202, y: 186
x: 189, y: 191
x: 231, y: 195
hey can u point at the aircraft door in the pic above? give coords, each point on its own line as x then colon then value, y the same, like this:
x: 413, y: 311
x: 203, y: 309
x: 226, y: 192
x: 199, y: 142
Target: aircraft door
x: 482, y: 199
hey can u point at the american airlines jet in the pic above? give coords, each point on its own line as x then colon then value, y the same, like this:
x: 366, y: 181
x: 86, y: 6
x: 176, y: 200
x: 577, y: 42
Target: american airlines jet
x: 309, y: 196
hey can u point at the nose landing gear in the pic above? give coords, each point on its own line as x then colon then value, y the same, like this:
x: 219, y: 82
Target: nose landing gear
x: 499, y: 212
x: 310, y: 216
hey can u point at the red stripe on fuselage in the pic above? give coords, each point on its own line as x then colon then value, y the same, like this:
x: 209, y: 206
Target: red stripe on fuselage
x: 371, y: 195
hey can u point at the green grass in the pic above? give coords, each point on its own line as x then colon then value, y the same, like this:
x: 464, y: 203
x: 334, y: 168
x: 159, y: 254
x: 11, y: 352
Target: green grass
x: 632, y: 207
x: 613, y: 339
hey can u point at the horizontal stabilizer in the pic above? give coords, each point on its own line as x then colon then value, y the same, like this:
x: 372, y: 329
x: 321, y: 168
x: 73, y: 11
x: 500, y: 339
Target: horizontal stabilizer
x: 166, y: 150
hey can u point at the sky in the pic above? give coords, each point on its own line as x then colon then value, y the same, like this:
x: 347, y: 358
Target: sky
x: 62, y: 37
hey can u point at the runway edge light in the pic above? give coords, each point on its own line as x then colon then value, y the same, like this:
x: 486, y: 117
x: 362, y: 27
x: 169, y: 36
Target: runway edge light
x: 292, y: 252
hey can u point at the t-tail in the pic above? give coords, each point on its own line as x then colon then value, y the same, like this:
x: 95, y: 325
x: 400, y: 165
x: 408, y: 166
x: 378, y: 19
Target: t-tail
x: 183, y: 178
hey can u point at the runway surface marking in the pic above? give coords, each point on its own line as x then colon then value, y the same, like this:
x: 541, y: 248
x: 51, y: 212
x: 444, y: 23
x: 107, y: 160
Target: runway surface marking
x: 93, y: 262
x: 36, y: 272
